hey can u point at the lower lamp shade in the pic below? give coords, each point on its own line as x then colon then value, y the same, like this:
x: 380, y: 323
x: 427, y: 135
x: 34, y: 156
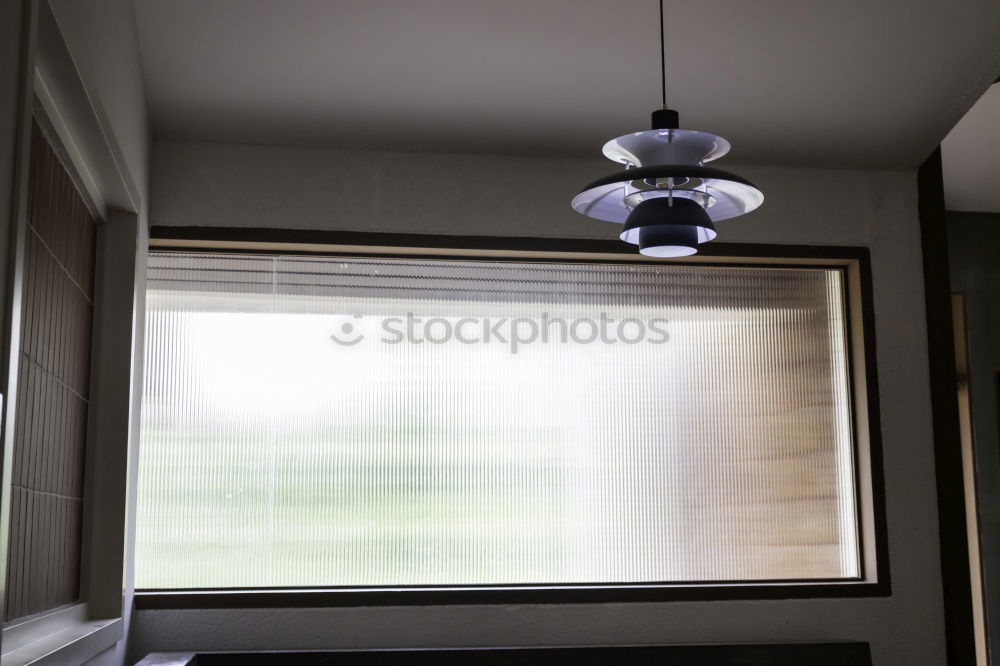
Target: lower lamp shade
x: 668, y: 227
x: 668, y: 240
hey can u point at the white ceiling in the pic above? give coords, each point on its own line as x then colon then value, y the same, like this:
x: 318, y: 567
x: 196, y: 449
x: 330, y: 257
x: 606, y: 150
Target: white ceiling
x: 861, y: 83
x: 970, y: 157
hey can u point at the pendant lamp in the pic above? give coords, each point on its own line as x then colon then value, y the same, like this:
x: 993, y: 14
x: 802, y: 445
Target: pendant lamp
x: 666, y: 198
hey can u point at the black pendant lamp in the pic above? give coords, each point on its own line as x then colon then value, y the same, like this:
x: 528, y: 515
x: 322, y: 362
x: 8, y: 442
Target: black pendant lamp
x: 666, y: 197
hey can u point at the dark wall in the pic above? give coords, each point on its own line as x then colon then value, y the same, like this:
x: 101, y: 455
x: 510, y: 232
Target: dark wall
x: 974, y: 254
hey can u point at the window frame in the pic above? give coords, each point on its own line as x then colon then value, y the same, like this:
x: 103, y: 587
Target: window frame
x: 853, y: 261
x: 53, y: 96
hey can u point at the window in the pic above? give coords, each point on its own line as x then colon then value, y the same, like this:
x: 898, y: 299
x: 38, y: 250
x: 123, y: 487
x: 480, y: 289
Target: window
x: 384, y: 421
x: 50, y: 436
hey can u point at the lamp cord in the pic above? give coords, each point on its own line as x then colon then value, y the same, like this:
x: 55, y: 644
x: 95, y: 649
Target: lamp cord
x: 663, y: 59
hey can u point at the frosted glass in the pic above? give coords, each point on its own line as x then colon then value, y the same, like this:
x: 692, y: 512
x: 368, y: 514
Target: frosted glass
x: 707, y: 438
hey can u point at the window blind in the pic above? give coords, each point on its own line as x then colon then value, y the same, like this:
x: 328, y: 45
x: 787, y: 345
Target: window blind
x: 53, y: 394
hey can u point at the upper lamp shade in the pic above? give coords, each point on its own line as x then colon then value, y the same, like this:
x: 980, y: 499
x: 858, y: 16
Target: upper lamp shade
x: 668, y: 227
x: 666, y: 146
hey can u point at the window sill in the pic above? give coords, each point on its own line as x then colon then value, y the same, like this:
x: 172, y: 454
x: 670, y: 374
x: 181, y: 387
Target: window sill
x: 816, y: 654
x: 421, y: 596
x: 64, y: 636
x: 168, y: 659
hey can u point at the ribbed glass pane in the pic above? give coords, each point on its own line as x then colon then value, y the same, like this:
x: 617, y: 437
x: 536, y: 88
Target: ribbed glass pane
x: 365, y: 421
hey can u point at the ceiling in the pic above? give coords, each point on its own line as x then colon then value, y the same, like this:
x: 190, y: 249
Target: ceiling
x: 852, y: 83
x: 970, y: 157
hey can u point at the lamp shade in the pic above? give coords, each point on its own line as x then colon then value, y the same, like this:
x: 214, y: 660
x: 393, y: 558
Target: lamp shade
x: 668, y: 240
x: 727, y: 195
x: 668, y: 227
x: 666, y: 146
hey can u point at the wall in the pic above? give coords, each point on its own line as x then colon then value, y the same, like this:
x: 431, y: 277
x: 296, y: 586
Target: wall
x: 217, y: 184
x: 204, y: 184
x: 15, y: 60
x: 101, y: 38
x: 974, y: 254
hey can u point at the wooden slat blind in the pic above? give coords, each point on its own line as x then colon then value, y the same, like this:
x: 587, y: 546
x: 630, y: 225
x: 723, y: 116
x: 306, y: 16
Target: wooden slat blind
x: 53, y: 387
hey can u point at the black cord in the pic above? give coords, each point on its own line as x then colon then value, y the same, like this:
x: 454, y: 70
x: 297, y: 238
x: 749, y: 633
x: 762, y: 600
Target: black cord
x: 663, y: 59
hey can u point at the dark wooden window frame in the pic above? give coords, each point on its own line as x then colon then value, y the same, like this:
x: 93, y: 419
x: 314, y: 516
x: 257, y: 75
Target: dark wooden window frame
x: 789, y: 654
x: 859, y: 305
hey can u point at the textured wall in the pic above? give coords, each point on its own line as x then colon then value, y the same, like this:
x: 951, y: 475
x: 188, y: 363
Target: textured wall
x: 259, y: 186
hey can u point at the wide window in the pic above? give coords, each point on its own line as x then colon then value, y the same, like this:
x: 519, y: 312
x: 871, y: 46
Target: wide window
x: 378, y: 421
